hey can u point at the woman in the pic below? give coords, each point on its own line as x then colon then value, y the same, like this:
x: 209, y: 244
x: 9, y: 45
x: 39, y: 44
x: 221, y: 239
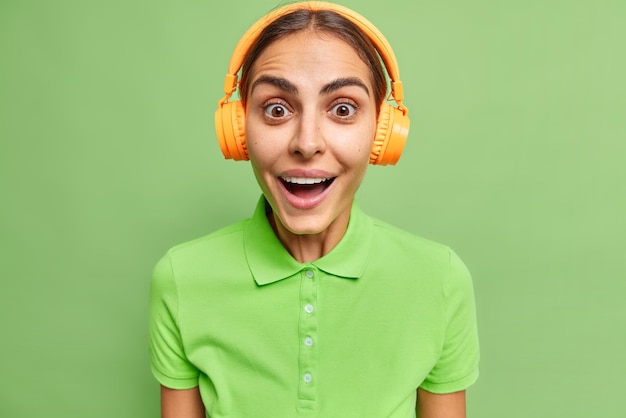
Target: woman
x: 311, y: 308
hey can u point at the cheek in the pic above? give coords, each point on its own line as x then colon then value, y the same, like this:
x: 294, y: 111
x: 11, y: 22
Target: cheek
x: 252, y: 141
x: 358, y: 146
x: 262, y: 153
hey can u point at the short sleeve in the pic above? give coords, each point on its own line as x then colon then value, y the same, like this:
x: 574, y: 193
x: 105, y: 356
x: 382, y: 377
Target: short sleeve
x: 457, y: 367
x: 169, y: 363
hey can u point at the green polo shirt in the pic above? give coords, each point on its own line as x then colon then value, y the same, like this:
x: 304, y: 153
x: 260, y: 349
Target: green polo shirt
x: 353, y: 334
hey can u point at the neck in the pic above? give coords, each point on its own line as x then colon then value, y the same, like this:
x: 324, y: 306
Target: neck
x: 306, y: 248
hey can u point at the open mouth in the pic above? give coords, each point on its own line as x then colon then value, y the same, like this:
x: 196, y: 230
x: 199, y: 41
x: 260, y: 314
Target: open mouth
x: 306, y: 187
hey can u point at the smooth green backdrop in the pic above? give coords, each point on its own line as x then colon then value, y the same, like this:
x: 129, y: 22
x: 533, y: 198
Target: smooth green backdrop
x: 515, y: 159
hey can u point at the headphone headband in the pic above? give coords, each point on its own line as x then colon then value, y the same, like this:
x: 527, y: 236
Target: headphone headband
x: 371, y: 32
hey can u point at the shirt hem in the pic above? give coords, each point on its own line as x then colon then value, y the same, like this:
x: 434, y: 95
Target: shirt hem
x: 175, y: 383
x: 453, y: 386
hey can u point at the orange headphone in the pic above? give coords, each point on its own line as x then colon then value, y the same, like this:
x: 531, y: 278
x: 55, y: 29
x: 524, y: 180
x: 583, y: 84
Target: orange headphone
x: 393, y: 122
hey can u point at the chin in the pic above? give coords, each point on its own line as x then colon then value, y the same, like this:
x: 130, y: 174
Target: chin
x: 308, y: 224
x: 319, y: 220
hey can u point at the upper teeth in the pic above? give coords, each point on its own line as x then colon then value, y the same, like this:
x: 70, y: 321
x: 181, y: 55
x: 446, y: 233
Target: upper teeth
x: 305, y: 180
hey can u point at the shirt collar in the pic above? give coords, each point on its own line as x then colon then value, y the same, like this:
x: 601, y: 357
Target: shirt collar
x: 270, y: 262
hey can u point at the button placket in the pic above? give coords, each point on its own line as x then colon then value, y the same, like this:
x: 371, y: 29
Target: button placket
x: 307, y: 333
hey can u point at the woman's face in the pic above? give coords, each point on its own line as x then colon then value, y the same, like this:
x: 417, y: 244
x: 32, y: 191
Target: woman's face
x: 310, y: 123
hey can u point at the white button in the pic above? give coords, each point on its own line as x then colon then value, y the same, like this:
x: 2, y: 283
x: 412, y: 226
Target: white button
x: 308, y: 341
x: 309, y: 273
x: 308, y: 308
x: 307, y: 378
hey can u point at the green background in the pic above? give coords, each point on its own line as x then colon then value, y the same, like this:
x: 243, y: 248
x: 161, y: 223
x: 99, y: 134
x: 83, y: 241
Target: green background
x: 515, y: 159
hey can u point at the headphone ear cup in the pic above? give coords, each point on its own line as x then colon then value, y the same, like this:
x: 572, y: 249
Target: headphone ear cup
x: 392, y: 130
x: 230, y: 126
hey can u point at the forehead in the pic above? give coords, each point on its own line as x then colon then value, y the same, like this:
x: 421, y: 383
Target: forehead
x: 313, y: 55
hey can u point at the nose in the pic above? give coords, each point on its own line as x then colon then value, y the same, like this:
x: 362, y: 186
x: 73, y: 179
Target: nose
x: 308, y: 139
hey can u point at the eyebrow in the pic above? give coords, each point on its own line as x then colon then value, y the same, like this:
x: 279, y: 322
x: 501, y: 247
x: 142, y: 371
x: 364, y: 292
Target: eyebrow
x: 288, y: 87
x: 281, y: 83
x: 343, y: 82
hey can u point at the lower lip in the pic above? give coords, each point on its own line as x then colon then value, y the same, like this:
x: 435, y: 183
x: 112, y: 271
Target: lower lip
x: 301, y: 203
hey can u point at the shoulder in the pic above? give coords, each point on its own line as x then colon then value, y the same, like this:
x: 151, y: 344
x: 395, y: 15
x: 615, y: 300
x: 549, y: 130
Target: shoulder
x: 201, y: 253
x: 395, y: 241
x: 228, y: 239
x: 410, y: 252
x: 215, y: 238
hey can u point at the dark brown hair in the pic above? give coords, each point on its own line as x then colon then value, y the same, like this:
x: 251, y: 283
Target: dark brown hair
x: 325, y: 21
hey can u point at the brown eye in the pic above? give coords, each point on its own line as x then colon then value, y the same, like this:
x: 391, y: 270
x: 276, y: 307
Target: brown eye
x: 276, y: 111
x: 343, y: 110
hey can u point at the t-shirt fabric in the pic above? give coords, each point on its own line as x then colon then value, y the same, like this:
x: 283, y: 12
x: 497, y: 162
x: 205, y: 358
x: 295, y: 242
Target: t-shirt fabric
x: 352, y: 334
